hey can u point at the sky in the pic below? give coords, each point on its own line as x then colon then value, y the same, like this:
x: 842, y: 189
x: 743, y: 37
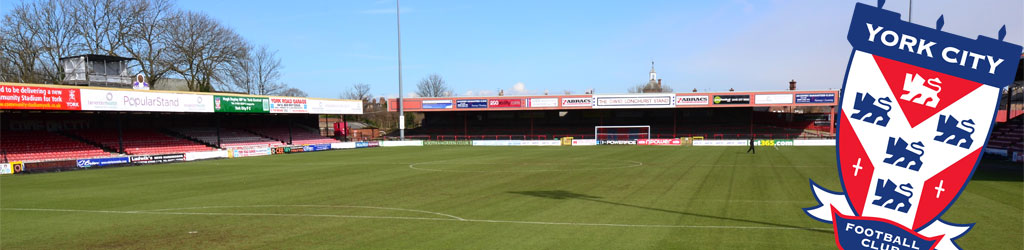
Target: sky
x: 528, y: 47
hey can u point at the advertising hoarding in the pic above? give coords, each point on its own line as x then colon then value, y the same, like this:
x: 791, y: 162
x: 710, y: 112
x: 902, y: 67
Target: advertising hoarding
x: 773, y: 99
x: 148, y: 159
x: 686, y: 100
x: 816, y: 98
x: 721, y: 142
x: 241, y: 104
x: 633, y: 101
x: 437, y: 104
x: 467, y: 104
x: 246, y: 152
x: 28, y: 97
x: 84, y: 163
x: 505, y: 103
x: 543, y: 102
x: 288, y: 105
x: 113, y: 100
x: 334, y: 107
x: 660, y: 142
x: 731, y: 99
x: 577, y: 102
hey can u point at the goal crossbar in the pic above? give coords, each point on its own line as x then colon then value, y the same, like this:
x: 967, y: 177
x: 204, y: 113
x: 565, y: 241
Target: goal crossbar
x: 646, y: 134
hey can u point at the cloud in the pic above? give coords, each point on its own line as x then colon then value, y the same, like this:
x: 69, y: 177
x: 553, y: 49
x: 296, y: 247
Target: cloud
x: 519, y: 88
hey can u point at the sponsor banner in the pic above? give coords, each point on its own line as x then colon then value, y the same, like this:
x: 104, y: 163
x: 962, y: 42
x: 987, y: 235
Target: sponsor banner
x: 362, y: 144
x: 343, y: 145
x: 541, y: 143
x: 686, y: 100
x: 373, y: 144
x: 192, y: 156
x: 819, y: 142
x: 112, y: 100
x: 577, y: 102
x: 335, y: 107
x: 584, y: 142
x: 566, y: 141
x: 27, y: 97
x: 400, y: 143
x: 616, y: 142
x: 665, y: 142
x: 437, y: 104
x: 772, y: 143
x: 721, y: 142
x: 731, y: 99
x: 148, y: 159
x: 247, y: 152
x: 816, y: 98
x: 84, y: 163
x: 5, y: 168
x: 543, y: 102
x: 773, y: 99
x: 471, y: 104
x: 316, y: 147
x: 288, y: 105
x: 241, y: 104
x: 17, y: 167
x: 634, y: 101
x: 447, y: 143
x: 516, y: 143
x: 505, y: 103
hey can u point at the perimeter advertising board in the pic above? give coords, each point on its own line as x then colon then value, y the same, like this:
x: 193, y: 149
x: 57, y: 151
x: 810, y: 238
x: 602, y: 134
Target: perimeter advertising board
x: 29, y: 97
x: 241, y: 104
x: 816, y: 98
x: 471, y: 104
x: 543, y: 102
x: 113, y: 100
x: 773, y: 99
x: 687, y: 100
x: 288, y: 105
x: 634, y: 101
x: 505, y: 103
x: 437, y: 104
x: 149, y: 159
x: 731, y: 99
x: 577, y: 102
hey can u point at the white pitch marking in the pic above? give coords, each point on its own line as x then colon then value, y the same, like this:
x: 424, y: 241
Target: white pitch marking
x: 415, y: 218
x: 322, y: 206
x: 413, y: 166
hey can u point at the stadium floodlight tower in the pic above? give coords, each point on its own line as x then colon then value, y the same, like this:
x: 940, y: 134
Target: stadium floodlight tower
x: 401, y: 106
x: 622, y: 133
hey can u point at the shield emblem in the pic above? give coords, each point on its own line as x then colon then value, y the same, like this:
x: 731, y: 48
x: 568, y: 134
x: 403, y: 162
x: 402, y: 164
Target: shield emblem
x: 916, y: 111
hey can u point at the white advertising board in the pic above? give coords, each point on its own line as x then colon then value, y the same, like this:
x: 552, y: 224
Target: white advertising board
x: 543, y: 102
x: 721, y: 142
x: 773, y: 99
x: 192, y: 156
x: 516, y: 143
x: 335, y: 107
x: 401, y: 143
x: 584, y: 142
x: 577, y: 102
x: 343, y: 145
x: 112, y: 100
x: 288, y: 105
x: 5, y: 168
x: 819, y: 142
x: 685, y: 100
x: 634, y: 101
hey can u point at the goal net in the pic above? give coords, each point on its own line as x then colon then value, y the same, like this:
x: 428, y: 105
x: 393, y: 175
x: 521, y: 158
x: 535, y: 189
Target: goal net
x: 621, y: 133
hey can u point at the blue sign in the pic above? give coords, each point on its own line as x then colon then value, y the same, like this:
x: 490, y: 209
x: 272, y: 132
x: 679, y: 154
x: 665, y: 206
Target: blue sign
x: 437, y: 104
x: 362, y: 144
x: 463, y: 104
x: 316, y: 147
x: 816, y: 98
x: 84, y: 163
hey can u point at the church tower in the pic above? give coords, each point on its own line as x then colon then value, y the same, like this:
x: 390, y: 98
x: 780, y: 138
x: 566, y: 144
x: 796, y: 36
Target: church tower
x: 654, y: 76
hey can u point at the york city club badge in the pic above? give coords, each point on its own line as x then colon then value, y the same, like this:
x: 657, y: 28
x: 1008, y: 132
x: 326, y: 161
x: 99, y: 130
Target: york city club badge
x: 917, y: 107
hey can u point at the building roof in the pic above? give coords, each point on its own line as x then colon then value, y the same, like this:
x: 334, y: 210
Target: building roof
x: 95, y: 57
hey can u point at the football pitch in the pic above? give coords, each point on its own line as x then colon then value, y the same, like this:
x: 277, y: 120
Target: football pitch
x: 461, y: 197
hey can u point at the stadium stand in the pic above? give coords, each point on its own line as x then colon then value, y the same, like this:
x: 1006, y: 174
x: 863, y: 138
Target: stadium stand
x: 230, y: 137
x: 43, y: 145
x: 299, y: 136
x: 142, y: 141
x: 1008, y: 135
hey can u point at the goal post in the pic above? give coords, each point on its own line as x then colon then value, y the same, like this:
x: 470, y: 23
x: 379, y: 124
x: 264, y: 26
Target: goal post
x: 622, y: 133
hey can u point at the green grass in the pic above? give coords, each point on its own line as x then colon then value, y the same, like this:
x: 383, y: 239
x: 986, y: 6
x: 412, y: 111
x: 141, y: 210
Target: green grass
x: 599, y: 198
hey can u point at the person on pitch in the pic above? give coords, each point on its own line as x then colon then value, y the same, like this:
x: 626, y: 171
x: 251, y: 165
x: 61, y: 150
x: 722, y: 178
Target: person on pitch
x: 751, y: 149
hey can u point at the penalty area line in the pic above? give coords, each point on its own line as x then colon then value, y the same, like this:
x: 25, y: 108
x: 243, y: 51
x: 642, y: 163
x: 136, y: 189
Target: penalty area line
x: 151, y: 212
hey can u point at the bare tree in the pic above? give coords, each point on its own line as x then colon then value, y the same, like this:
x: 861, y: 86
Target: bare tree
x: 102, y: 25
x: 147, y: 39
x: 259, y: 72
x: 36, y: 36
x: 201, y: 49
x: 359, y: 91
x: 433, y: 86
x: 294, y: 92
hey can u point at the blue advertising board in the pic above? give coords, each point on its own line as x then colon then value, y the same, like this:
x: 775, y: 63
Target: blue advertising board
x: 816, y: 98
x: 464, y: 104
x: 362, y: 144
x: 84, y: 163
x: 316, y: 147
x: 437, y: 104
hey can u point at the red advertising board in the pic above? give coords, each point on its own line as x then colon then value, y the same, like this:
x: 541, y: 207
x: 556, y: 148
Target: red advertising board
x: 505, y: 103
x: 670, y: 142
x: 31, y: 97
